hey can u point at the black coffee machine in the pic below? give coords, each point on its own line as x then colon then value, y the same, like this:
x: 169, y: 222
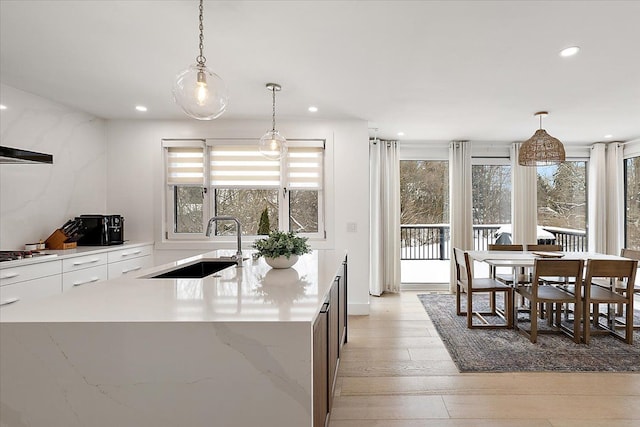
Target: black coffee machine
x: 101, y: 230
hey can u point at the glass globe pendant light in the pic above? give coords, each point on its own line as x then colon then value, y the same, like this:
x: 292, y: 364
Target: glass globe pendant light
x: 272, y: 145
x: 200, y: 92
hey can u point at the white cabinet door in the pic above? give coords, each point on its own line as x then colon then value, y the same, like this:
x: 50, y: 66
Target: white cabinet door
x: 129, y: 267
x: 36, y: 288
x: 129, y: 253
x: 23, y: 273
x: 82, y: 277
x: 82, y: 262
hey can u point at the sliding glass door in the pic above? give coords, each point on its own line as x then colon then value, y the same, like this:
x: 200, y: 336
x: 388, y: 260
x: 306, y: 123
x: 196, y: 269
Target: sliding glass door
x: 491, y: 194
x: 562, y: 204
x: 424, y: 219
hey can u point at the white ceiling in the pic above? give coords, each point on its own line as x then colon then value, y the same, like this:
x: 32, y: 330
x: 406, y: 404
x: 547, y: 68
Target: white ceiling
x: 437, y: 70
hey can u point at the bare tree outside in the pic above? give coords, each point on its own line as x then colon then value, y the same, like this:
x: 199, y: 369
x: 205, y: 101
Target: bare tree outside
x: 424, y: 192
x: 632, y: 203
x: 303, y: 211
x: 491, y: 189
x: 562, y: 195
x: 188, y: 206
x: 247, y: 206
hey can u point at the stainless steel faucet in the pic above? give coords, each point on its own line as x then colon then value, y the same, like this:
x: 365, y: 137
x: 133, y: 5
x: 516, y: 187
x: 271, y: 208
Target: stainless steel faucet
x: 238, y: 255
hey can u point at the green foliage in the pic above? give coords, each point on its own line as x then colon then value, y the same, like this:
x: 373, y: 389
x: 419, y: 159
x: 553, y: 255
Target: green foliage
x: 282, y: 243
x: 263, y: 226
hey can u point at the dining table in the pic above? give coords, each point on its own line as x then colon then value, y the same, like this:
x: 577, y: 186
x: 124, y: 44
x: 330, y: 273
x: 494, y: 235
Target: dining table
x: 517, y: 260
x: 526, y: 259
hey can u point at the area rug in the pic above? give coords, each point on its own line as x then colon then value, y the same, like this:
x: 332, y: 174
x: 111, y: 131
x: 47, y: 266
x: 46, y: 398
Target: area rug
x: 506, y: 350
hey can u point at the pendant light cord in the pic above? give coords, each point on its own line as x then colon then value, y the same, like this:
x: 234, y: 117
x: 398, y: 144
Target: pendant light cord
x: 201, y: 59
x: 273, y: 90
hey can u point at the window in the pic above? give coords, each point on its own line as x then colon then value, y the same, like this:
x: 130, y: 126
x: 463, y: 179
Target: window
x: 231, y: 177
x: 424, y: 216
x: 491, y: 198
x: 632, y: 202
x: 424, y: 192
x: 491, y: 188
x: 562, y: 203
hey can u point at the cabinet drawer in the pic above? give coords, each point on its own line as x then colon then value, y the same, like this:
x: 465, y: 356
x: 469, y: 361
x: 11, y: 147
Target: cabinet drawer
x: 36, y: 288
x: 131, y: 266
x: 82, y: 262
x: 128, y: 253
x: 29, y: 272
x: 83, y: 277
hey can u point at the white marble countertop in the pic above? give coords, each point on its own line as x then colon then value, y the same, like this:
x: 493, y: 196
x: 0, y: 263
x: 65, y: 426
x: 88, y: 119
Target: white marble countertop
x: 52, y: 255
x: 251, y: 293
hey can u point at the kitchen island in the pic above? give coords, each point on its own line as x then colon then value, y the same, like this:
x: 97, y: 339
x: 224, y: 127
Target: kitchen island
x: 232, y: 349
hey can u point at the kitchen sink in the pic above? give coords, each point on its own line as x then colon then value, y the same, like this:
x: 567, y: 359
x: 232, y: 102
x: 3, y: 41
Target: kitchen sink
x: 197, y: 270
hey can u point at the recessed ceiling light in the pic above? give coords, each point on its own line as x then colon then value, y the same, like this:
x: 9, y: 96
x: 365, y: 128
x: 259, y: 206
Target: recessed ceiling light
x: 313, y: 109
x: 570, y: 51
x: 400, y: 133
x: 608, y: 136
x: 3, y: 107
x: 141, y: 108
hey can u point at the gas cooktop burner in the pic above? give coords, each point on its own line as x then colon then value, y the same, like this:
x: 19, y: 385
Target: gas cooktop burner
x: 14, y: 255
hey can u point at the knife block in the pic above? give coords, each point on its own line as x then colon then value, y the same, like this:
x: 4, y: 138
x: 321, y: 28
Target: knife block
x: 58, y: 240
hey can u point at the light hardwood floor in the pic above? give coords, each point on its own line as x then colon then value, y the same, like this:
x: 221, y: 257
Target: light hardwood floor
x: 395, y: 371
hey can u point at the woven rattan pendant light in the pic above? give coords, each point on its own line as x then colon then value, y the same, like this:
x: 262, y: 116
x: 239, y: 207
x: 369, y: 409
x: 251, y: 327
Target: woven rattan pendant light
x: 541, y: 149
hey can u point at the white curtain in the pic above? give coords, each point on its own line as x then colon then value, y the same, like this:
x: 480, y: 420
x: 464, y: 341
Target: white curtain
x: 597, y: 187
x: 460, y: 201
x: 384, y: 176
x: 615, y: 198
x: 524, y: 203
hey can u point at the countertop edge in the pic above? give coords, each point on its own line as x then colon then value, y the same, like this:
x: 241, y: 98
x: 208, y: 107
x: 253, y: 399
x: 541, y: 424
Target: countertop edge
x: 70, y: 253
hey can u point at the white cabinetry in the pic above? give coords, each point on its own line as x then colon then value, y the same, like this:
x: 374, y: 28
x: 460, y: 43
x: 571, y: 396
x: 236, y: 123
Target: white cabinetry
x: 30, y: 281
x: 70, y: 270
x: 129, y: 260
x: 83, y: 277
x: 82, y: 270
x: 82, y: 262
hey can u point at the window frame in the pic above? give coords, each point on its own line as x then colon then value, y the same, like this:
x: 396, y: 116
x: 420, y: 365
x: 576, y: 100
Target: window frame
x: 209, y: 192
x: 625, y: 200
x: 587, y: 162
x: 496, y: 160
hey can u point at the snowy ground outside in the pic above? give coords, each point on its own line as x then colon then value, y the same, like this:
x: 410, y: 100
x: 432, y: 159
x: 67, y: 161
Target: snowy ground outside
x: 435, y: 271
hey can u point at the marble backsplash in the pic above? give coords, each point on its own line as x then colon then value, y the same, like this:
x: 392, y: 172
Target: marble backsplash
x: 35, y: 199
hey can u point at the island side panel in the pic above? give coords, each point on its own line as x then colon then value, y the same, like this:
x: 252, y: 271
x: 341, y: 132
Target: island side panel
x: 155, y: 374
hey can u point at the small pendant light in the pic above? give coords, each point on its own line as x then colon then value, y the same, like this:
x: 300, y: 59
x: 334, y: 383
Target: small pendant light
x: 200, y: 92
x: 272, y: 145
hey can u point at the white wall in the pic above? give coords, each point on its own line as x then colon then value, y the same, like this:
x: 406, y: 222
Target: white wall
x: 35, y: 199
x: 134, y: 159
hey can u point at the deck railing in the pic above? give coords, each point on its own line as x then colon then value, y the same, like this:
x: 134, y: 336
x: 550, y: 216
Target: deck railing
x: 433, y: 241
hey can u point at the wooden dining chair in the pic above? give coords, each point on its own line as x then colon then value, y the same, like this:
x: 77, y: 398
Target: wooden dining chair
x: 635, y: 255
x: 553, y: 297
x: 544, y: 248
x: 508, y: 278
x: 631, y: 254
x: 517, y: 248
x: 619, y: 273
x: 469, y: 285
x: 551, y: 248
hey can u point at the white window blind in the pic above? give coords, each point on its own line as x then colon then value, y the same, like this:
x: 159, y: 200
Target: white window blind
x: 242, y: 166
x: 304, y: 167
x: 185, y: 166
